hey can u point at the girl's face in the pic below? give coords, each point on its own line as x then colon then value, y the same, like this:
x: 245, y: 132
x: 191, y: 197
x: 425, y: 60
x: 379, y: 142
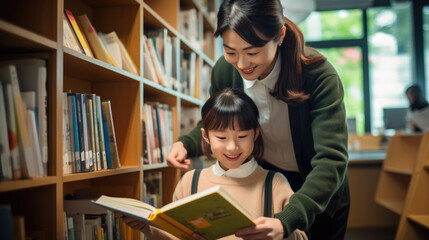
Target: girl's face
x: 251, y: 62
x: 231, y: 147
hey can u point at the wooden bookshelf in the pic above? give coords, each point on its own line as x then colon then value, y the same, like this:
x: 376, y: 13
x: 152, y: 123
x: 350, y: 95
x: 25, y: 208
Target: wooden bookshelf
x: 414, y: 223
x: 28, y: 27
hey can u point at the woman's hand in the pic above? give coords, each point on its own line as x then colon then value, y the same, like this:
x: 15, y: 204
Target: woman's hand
x: 177, y: 157
x: 266, y: 228
x: 132, y: 222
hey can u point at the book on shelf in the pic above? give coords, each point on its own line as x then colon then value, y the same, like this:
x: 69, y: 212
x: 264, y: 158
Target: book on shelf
x: 189, y: 27
x: 12, y: 131
x: 152, y: 190
x: 211, y: 213
x: 148, y: 65
x: 127, y: 62
x: 5, y: 154
x: 112, y: 48
x: 89, y: 218
x: 110, y: 137
x: 156, y: 60
x: 80, y: 36
x: 68, y: 151
x: 75, y: 135
x: 94, y: 41
x: 32, y: 77
x: 69, y: 37
x: 101, y: 138
x: 8, y: 74
x: 6, y: 226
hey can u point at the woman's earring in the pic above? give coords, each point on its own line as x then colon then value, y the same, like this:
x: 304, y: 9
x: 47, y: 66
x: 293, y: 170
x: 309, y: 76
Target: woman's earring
x: 280, y: 44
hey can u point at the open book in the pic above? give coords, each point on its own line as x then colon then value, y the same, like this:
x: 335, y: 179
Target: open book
x: 211, y: 213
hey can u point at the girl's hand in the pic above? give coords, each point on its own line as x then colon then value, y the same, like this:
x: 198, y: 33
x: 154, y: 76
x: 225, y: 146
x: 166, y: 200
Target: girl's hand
x: 132, y: 222
x: 177, y: 157
x: 266, y: 228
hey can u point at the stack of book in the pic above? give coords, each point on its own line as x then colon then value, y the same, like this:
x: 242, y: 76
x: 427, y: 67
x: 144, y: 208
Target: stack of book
x: 81, y: 36
x: 89, y: 142
x: 23, y: 121
x: 158, y: 132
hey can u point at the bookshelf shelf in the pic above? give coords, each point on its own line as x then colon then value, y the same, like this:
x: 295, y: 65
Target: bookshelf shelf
x: 13, y: 38
x: 403, y: 171
x: 34, y: 29
x: 405, y: 192
x: 103, y: 173
x: 394, y: 206
x: 83, y: 67
x: 422, y: 220
x: 27, y: 183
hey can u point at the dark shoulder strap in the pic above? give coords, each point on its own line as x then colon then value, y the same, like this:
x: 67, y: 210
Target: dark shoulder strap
x: 268, y: 193
x: 194, y: 187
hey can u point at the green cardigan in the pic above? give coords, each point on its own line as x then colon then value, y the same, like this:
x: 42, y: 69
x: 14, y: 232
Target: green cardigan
x: 319, y: 135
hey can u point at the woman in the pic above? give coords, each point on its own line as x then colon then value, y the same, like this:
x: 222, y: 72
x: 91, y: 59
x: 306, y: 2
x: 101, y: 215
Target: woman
x: 300, y: 99
x: 417, y: 103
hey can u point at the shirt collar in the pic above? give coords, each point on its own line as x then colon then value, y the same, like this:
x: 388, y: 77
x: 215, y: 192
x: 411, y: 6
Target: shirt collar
x: 270, y: 80
x: 241, y: 172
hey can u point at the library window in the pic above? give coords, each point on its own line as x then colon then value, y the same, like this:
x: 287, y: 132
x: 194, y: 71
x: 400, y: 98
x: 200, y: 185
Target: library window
x: 373, y: 61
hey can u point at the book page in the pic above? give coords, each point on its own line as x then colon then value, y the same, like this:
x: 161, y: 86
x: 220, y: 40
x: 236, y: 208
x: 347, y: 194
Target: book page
x: 127, y: 206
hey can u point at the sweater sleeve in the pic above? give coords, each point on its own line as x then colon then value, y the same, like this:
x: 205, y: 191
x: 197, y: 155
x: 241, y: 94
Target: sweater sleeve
x: 329, y: 163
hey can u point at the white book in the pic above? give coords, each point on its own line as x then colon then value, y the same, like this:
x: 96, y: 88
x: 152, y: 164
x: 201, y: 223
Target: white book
x: 36, y: 165
x: 6, y: 159
x: 13, y: 132
x: 67, y: 147
x: 32, y: 76
x: 8, y: 74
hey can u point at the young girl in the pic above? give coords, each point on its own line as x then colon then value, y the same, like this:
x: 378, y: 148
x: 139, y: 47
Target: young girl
x: 299, y: 96
x: 231, y: 136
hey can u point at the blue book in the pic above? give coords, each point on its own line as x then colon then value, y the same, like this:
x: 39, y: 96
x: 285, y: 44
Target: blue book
x: 80, y: 132
x: 75, y: 133
x: 106, y: 139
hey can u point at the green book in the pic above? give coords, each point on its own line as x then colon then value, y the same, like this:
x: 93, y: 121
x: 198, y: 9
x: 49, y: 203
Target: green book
x: 211, y: 213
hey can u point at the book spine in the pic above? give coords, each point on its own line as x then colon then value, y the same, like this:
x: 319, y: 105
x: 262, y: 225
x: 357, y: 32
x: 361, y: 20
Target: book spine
x: 88, y: 149
x: 170, y: 225
x: 12, y: 132
x: 111, y: 134
x: 5, y: 156
x: 94, y: 41
x: 83, y: 159
x: 106, y: 139
x: 101, y: 132
x: 78, y: 32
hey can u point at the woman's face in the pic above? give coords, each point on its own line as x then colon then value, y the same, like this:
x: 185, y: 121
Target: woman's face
x: 410, y: 97
x: 250, y: 61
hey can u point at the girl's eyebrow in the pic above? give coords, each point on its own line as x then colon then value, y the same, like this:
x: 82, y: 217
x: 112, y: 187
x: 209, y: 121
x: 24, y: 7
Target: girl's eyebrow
x: 246, y: 48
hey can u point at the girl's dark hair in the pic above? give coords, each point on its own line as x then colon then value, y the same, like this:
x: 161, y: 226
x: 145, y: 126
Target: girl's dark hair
x: 225, y: 107
x: 250, y: 17
x: 419, y: 100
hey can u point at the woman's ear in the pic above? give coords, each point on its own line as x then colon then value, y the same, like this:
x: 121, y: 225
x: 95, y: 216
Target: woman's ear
x: 205, y: 136
x: 282, y: 36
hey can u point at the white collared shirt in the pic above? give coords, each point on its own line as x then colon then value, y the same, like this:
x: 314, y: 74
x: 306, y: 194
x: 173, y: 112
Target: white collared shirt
x: 274, y: 120
x: 244, y: 170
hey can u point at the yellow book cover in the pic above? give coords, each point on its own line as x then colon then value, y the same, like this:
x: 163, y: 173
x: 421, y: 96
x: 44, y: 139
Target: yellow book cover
x: 78, y: 33
x: 97, y: 46
x: 211, y: 213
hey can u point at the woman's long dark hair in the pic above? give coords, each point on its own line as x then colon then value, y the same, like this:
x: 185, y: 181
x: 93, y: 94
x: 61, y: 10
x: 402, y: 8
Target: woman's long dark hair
x: 225, y: 107
x: 249, y: 17
x: 419, y: 100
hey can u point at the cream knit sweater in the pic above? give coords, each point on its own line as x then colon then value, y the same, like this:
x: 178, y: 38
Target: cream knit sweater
x: 248, y: 191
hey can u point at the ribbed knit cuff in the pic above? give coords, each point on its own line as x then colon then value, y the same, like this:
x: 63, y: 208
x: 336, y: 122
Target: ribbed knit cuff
x: 289, y: 218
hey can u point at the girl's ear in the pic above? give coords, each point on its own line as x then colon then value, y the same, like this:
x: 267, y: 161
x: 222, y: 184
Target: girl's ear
x: 205, y: 136
x: 257, y: 132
